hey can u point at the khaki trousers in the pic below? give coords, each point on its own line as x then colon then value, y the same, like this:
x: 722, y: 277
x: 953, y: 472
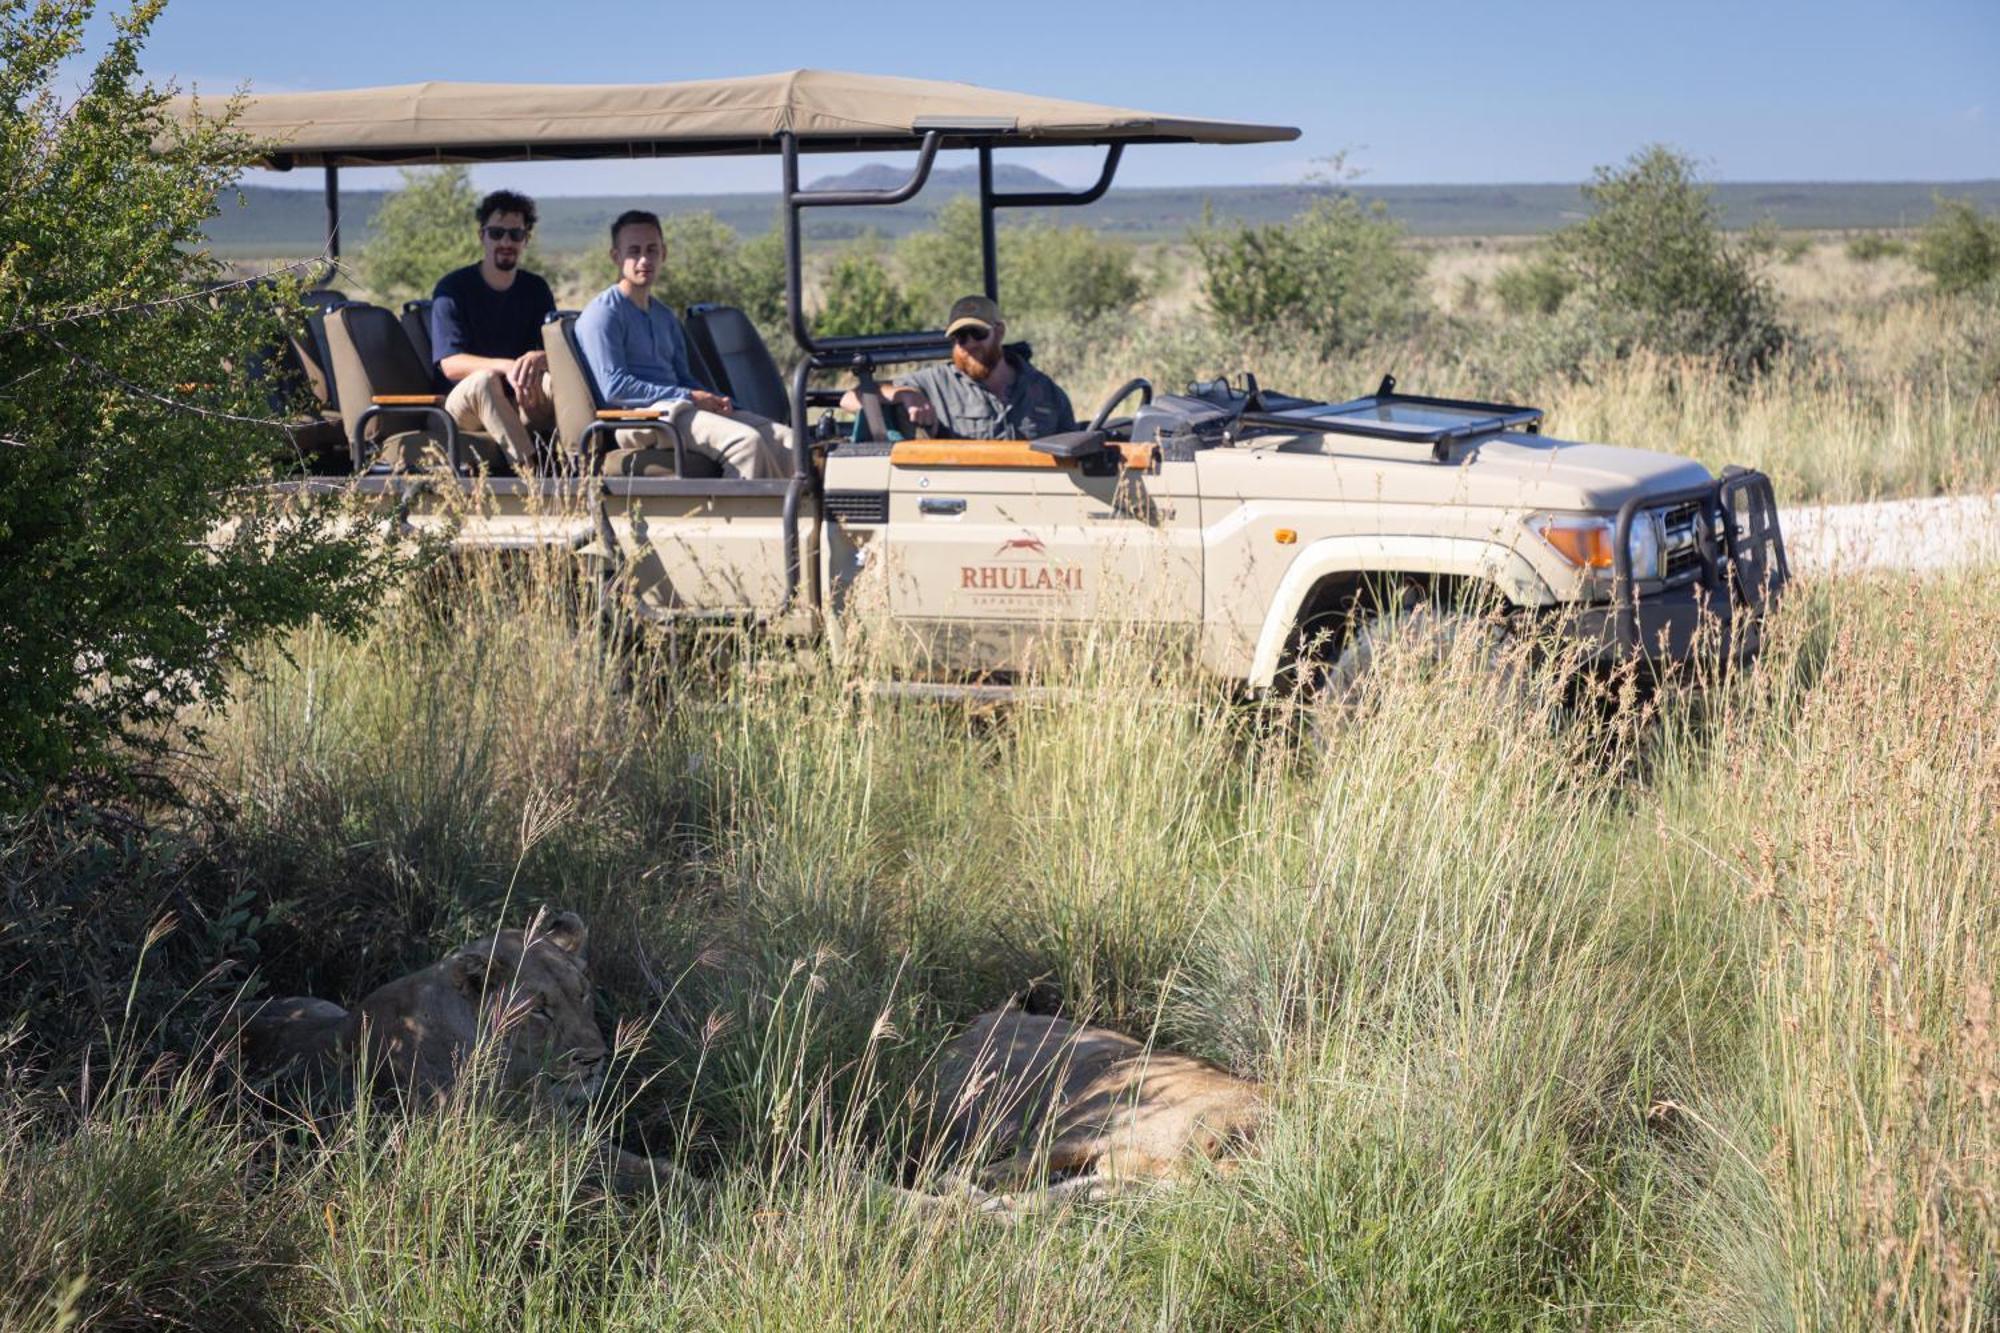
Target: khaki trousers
x: 480, y: 402
x: 746, y: 444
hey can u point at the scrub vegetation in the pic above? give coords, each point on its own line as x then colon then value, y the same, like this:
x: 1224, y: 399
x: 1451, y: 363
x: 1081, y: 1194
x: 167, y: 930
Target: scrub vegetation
x: 1681, y: 1019
x: 1674, y: 1010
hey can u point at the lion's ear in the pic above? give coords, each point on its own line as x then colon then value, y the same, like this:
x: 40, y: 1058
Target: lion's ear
x: 468, y: 970
x: 567, y: 932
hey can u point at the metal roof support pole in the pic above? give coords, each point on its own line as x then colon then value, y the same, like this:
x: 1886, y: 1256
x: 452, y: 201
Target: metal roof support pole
x: 332, y: 211
x: 1066, y: 198
x: 989, y: 244
x: 795, y: 302
x: 797, y: 200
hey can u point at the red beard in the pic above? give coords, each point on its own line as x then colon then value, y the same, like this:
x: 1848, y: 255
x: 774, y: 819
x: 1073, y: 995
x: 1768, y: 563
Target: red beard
x: 976, y: 360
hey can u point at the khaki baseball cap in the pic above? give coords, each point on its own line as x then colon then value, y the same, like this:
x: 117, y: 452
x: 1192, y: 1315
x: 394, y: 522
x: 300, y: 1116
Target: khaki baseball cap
x: 969, y: 312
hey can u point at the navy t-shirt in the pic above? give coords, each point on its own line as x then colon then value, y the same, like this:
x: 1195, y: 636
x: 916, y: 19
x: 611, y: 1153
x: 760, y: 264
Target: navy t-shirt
x: 469, y: 316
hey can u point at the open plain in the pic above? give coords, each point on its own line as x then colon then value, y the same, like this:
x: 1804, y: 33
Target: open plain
x: 1675, y: 1010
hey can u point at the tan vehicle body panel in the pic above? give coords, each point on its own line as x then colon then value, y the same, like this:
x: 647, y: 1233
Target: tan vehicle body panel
x: 983, y: 562
x: 719, y: 555
x: 988, y: 553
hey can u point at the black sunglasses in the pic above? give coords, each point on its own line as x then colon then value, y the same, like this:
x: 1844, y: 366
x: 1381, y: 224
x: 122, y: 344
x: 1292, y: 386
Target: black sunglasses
x: 506, y: 233
x: 964, y: 336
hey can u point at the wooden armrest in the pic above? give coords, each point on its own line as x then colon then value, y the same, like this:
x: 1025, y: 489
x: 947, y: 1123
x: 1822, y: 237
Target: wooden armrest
x: 408, y: 400
x: 629, y: 414
x: 1002, y: 453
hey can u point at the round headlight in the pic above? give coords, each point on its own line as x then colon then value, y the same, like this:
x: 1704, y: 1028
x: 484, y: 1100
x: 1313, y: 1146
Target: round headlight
x: 1644, y: 546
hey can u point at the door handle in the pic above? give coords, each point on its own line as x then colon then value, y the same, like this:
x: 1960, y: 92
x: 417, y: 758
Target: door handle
x: 932, y: 504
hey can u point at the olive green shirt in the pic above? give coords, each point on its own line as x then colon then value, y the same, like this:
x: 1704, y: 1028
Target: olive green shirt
x: 967, y: 410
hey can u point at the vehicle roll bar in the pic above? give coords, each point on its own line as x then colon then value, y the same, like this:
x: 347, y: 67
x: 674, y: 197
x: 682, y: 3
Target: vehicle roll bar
x: 797, y: 201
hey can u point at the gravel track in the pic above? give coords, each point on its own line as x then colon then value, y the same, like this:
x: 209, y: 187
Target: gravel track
x: 1947, y: 532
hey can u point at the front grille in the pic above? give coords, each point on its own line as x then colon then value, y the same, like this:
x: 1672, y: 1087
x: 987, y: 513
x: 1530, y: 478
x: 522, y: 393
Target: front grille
x: 858, y: 506
x: 1680, y: 545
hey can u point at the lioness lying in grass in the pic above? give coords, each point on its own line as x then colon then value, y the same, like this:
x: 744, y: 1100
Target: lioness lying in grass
x: 1082, y: 1107
x: 527, y: 992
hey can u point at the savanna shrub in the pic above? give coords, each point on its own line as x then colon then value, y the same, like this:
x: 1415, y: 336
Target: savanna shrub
x: 133, y: 424
x: 1336, y: 275
x: 861, y: 297
x: 1959, y: 247
x: 942, y: 264
x: 1046, y: 271
x: 1535, y: 286
x: 1651, y: 258
x: 1050, y: 270
x: 422, y: 232
x: 707, y: 261
x: 1870, y: 246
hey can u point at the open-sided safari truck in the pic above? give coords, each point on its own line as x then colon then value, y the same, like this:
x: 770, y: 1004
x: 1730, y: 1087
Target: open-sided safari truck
x: 1242, y: 520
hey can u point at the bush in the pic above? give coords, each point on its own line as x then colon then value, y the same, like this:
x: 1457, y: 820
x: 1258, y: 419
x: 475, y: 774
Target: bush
x: 422, y: 232
x: 1870, y: 246
x: 708, y: 261
x: 1070, y: 271
x: 940, y: 265
x: 133, y: 426
x: 1536, y: 286
x: 1337, y: 275
x: 861, y: 297
x: 1045, y: 271
x: 1959, y: 247
x: 1652, y: 260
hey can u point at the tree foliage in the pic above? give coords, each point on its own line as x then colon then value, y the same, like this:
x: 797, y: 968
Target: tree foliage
x: 1959, y: 247
x: 422, y: 232
x: 1045, y: 270
x: 1537, y: 285
x: 137, y: 558
x: 941, y: 264
x: 1653, y: 264
x: 1051, y: 270
x: 861, y: 297
x: 1336, y: 275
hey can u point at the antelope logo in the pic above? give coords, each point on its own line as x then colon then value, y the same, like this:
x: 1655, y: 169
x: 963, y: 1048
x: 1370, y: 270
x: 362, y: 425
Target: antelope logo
x: 1028, y: 571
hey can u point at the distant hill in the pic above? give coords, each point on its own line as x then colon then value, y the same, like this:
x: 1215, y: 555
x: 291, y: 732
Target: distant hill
x: 290, y: 222
x: 1008, y: 176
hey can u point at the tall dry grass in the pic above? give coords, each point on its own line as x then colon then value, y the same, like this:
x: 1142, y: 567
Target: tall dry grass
x: 1682, y: 1019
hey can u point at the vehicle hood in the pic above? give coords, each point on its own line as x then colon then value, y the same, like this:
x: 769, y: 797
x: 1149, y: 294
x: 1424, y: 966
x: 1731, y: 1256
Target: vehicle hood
x: 1545, y: 473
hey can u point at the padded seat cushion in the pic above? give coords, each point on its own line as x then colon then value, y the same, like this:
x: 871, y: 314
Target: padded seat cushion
x: 420, y: 451
x: 639, y: 463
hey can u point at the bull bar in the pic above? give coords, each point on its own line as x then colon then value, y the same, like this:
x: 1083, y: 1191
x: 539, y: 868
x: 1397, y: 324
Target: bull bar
x: 1741, y: 572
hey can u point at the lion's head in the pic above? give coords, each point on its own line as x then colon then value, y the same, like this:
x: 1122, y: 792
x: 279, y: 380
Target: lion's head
x: 526, y: 990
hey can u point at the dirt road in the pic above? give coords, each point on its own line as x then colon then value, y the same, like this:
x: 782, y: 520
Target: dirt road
x: 1943, y: 533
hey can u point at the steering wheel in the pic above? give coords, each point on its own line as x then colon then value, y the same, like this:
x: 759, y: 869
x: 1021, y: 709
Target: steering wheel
x: 1145, y: 388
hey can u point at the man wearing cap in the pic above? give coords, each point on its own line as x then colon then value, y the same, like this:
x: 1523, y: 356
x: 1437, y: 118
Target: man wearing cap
x: 986, y: 393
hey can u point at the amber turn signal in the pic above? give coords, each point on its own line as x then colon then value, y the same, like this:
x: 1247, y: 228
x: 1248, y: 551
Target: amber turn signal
x: 1585, y: 543
x: 1285, y: 536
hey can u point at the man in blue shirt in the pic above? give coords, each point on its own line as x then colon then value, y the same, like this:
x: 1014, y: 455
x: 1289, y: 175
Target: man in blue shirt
x: 637, y: 351
x: 486, y: 334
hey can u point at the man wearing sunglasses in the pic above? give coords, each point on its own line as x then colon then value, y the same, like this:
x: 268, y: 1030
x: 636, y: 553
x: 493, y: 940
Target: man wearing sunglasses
x: 486, y: 333
x: 987, y: 392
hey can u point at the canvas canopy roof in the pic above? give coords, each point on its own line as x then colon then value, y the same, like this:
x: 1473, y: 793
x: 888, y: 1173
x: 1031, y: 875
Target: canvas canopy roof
x: 827, y: 111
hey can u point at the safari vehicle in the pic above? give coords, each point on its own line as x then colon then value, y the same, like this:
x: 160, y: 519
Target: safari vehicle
x: 1243, y: 519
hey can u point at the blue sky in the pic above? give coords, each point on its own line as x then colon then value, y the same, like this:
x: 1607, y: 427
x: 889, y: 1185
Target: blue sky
x: 1415, y: 92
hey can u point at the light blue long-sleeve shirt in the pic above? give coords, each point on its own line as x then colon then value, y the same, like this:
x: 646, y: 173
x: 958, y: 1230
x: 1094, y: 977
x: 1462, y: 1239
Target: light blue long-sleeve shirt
x: 637, y: 356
